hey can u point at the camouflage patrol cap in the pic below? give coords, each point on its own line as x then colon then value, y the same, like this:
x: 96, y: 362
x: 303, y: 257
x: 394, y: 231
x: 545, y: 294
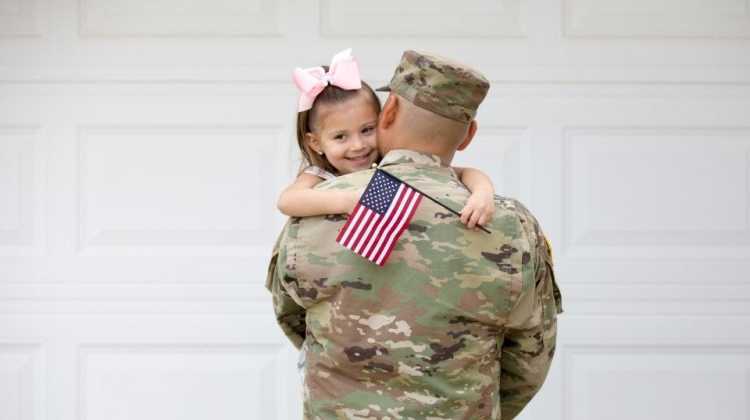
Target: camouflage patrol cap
x: 438, y: 84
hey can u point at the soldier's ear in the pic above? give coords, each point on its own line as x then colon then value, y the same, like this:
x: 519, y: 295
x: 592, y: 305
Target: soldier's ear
x: 469, y: 135
x: 388, y: 114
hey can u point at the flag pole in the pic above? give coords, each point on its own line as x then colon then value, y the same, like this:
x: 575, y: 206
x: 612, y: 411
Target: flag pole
x: 432, y: 199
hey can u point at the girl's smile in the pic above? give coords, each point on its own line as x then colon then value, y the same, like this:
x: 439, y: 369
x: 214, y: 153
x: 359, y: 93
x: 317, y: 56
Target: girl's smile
x: 365, y: 159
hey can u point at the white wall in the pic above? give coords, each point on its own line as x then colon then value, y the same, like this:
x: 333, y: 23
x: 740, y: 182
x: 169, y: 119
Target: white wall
x: 142, y: 144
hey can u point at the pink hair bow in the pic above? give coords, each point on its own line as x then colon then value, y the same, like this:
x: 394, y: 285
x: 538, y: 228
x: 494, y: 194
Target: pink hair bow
x: 343, y: 72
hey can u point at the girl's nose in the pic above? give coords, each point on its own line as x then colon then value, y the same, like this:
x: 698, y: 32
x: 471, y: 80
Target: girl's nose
x: 358, y: 143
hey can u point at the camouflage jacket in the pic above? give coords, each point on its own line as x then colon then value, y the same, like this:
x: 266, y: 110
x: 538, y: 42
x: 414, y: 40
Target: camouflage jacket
x: 457, y: 325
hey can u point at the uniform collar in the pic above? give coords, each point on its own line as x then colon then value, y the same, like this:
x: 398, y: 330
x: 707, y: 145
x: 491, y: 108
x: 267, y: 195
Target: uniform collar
x: 398, y: 156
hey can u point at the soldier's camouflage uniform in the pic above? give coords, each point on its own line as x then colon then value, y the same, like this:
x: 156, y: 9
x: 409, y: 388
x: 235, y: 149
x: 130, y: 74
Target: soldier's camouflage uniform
x: 457, y: 325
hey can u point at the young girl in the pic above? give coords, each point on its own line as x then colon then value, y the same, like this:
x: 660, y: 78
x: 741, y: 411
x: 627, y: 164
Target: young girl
x: 337, y: 115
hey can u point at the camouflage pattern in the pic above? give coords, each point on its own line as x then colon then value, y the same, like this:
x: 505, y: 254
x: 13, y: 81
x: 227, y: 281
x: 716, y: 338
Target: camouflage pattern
x: 438, y: 84
x: 457, y: 325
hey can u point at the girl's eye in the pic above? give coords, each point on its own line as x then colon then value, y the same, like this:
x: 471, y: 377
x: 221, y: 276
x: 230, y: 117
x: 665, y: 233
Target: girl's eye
x: 368, y: 130
x: 338, y: 137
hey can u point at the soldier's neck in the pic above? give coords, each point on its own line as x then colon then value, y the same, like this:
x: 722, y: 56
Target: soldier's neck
x: 423, y: 146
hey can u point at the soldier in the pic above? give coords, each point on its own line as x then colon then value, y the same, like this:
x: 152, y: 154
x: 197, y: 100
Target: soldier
x: 459, y: 324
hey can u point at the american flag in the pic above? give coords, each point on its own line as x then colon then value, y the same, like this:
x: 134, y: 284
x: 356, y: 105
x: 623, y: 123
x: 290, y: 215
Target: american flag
x: 380, y: 217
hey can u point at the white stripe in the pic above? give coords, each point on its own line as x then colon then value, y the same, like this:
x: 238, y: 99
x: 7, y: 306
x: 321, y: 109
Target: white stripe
x: 353, y: 238
x: 385, y: 217
x: 413, y: 201
x: 351, y: 225
x: 364, y: 240
x: 378, y: 248
x: 366, y: 227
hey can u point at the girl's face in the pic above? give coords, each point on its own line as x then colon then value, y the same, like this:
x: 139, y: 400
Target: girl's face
x: 345, y: 133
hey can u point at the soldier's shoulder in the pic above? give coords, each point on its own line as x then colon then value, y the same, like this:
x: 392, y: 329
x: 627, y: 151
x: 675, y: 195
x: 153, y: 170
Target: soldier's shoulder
x: 353, y: 180
x: 508, y: 208
x: 510, y: 204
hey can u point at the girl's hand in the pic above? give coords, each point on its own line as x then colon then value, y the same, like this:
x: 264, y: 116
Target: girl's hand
x: 349, y: 200
x: 478, y: 210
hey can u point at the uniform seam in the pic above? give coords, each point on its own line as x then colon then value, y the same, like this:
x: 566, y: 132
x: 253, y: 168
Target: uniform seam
x: 523, y: 228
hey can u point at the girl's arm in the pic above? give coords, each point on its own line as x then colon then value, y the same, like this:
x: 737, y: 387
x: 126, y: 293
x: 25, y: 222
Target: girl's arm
x: 301, y: 200
x: 480, y: 206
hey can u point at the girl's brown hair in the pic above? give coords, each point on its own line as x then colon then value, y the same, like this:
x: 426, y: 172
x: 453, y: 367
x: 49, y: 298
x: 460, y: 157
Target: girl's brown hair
x: 306, y: 120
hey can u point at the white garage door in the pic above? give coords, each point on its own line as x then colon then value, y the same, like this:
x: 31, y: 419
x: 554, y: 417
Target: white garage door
x: 143, y: 142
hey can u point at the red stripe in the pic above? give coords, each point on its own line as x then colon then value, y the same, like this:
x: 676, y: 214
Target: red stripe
x: 386, y: 220
x: 348, y: 220
x: 356, y: 228
x: 388, y: 217
x: 354, y: 217
x: 406, y: 225
x: 386, y: 245
x: 397, y: 217
x: 367, y: 233
x: 363, y: 224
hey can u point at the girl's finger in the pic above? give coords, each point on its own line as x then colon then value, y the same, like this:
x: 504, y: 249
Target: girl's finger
x: 469, y: 215
x: 474, y: 219
x: 467, y: 220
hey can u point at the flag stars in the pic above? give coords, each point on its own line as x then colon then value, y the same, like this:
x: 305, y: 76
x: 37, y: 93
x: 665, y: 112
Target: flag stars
x: 380, y: 193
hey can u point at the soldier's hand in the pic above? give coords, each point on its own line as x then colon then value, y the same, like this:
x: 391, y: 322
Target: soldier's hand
x: 478, y: 210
